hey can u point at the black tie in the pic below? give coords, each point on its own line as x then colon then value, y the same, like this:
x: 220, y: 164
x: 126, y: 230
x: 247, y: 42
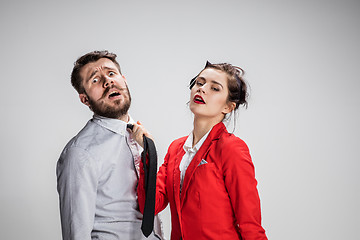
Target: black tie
x: 150, y: 184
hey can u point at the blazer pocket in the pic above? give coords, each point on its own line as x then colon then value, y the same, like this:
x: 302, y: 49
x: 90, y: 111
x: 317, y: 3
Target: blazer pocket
x: 207, y: 173
x: 203, y: 161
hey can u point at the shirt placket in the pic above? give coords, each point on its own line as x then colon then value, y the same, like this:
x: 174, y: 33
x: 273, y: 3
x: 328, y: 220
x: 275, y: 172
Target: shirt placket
x: 135, y: 153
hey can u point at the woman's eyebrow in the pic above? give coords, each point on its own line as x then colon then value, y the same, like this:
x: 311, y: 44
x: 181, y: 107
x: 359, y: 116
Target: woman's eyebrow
x: 213, y: 81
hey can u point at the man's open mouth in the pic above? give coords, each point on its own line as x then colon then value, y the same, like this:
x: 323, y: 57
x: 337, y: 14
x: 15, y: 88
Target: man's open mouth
x: 114, y: 94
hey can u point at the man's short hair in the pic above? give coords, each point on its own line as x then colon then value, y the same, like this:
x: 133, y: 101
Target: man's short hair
x: 76, y: 80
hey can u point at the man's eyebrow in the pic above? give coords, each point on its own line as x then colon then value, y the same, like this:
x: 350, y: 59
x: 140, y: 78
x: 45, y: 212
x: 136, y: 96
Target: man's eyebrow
x: 92, y: 74
x: 110, y: 68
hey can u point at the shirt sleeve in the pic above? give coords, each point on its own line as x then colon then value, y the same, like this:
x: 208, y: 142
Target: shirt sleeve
x: 239, y: 176
x: 77, y: 184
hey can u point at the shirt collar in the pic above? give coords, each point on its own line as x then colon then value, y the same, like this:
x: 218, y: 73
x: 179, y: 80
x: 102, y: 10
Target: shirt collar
x: 114, y: 125
x: 189, y: 142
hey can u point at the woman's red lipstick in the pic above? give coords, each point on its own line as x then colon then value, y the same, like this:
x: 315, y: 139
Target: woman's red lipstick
x: 198, y: 99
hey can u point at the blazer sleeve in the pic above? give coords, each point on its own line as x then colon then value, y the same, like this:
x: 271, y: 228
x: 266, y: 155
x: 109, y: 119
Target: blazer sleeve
x: 240, y: 182
x: 161, y: 199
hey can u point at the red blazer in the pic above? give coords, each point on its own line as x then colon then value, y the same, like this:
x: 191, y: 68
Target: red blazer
x: 219, y: 199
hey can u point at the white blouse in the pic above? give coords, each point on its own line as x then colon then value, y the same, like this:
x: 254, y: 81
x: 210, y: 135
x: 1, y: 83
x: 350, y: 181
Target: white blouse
x: 189, y: 154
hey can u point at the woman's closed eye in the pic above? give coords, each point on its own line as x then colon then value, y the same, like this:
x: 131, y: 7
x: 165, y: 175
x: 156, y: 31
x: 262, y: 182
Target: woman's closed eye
x: 216, y: 89
x: 200, y: 83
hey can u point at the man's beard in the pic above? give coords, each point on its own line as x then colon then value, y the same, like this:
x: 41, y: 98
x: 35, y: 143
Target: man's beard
x: 117, y: 110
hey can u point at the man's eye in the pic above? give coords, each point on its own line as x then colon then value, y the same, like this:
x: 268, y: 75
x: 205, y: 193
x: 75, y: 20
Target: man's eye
x: 95, y: 80
x: 111, y: 73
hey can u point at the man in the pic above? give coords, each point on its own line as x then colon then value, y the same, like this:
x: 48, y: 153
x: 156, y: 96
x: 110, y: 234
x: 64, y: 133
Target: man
x: 97, y: 172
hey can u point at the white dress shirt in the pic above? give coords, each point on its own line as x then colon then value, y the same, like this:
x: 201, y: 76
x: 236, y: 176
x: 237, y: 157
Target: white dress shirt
x: 97, y: 177
x: 189, y: 154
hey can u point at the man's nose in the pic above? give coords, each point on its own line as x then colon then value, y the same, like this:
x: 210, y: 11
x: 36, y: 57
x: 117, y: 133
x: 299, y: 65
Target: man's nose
x: 108, y: 81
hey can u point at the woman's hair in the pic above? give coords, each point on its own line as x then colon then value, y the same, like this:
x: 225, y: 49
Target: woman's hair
x: 238, y: 89
x: 76, y: 79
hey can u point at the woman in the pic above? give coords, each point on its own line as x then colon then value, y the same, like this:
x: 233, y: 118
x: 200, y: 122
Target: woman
x: 208, y: 177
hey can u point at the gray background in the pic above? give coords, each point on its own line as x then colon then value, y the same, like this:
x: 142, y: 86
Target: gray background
x: 301, y: 59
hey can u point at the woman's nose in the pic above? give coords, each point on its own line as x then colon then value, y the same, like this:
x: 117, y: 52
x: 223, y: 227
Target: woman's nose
x: 201, y: 88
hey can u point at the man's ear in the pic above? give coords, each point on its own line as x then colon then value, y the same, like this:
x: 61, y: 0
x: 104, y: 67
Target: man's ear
x: 84, y: 99
x: 124, y: 78
x: 229, y: 107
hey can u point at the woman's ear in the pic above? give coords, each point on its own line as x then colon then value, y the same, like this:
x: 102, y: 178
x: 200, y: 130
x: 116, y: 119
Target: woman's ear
x: 230, y: 106
x: 84, y: 99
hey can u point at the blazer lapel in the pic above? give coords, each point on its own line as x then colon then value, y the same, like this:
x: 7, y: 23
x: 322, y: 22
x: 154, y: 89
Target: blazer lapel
x: 178, y: 158
x: 204, y: 149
